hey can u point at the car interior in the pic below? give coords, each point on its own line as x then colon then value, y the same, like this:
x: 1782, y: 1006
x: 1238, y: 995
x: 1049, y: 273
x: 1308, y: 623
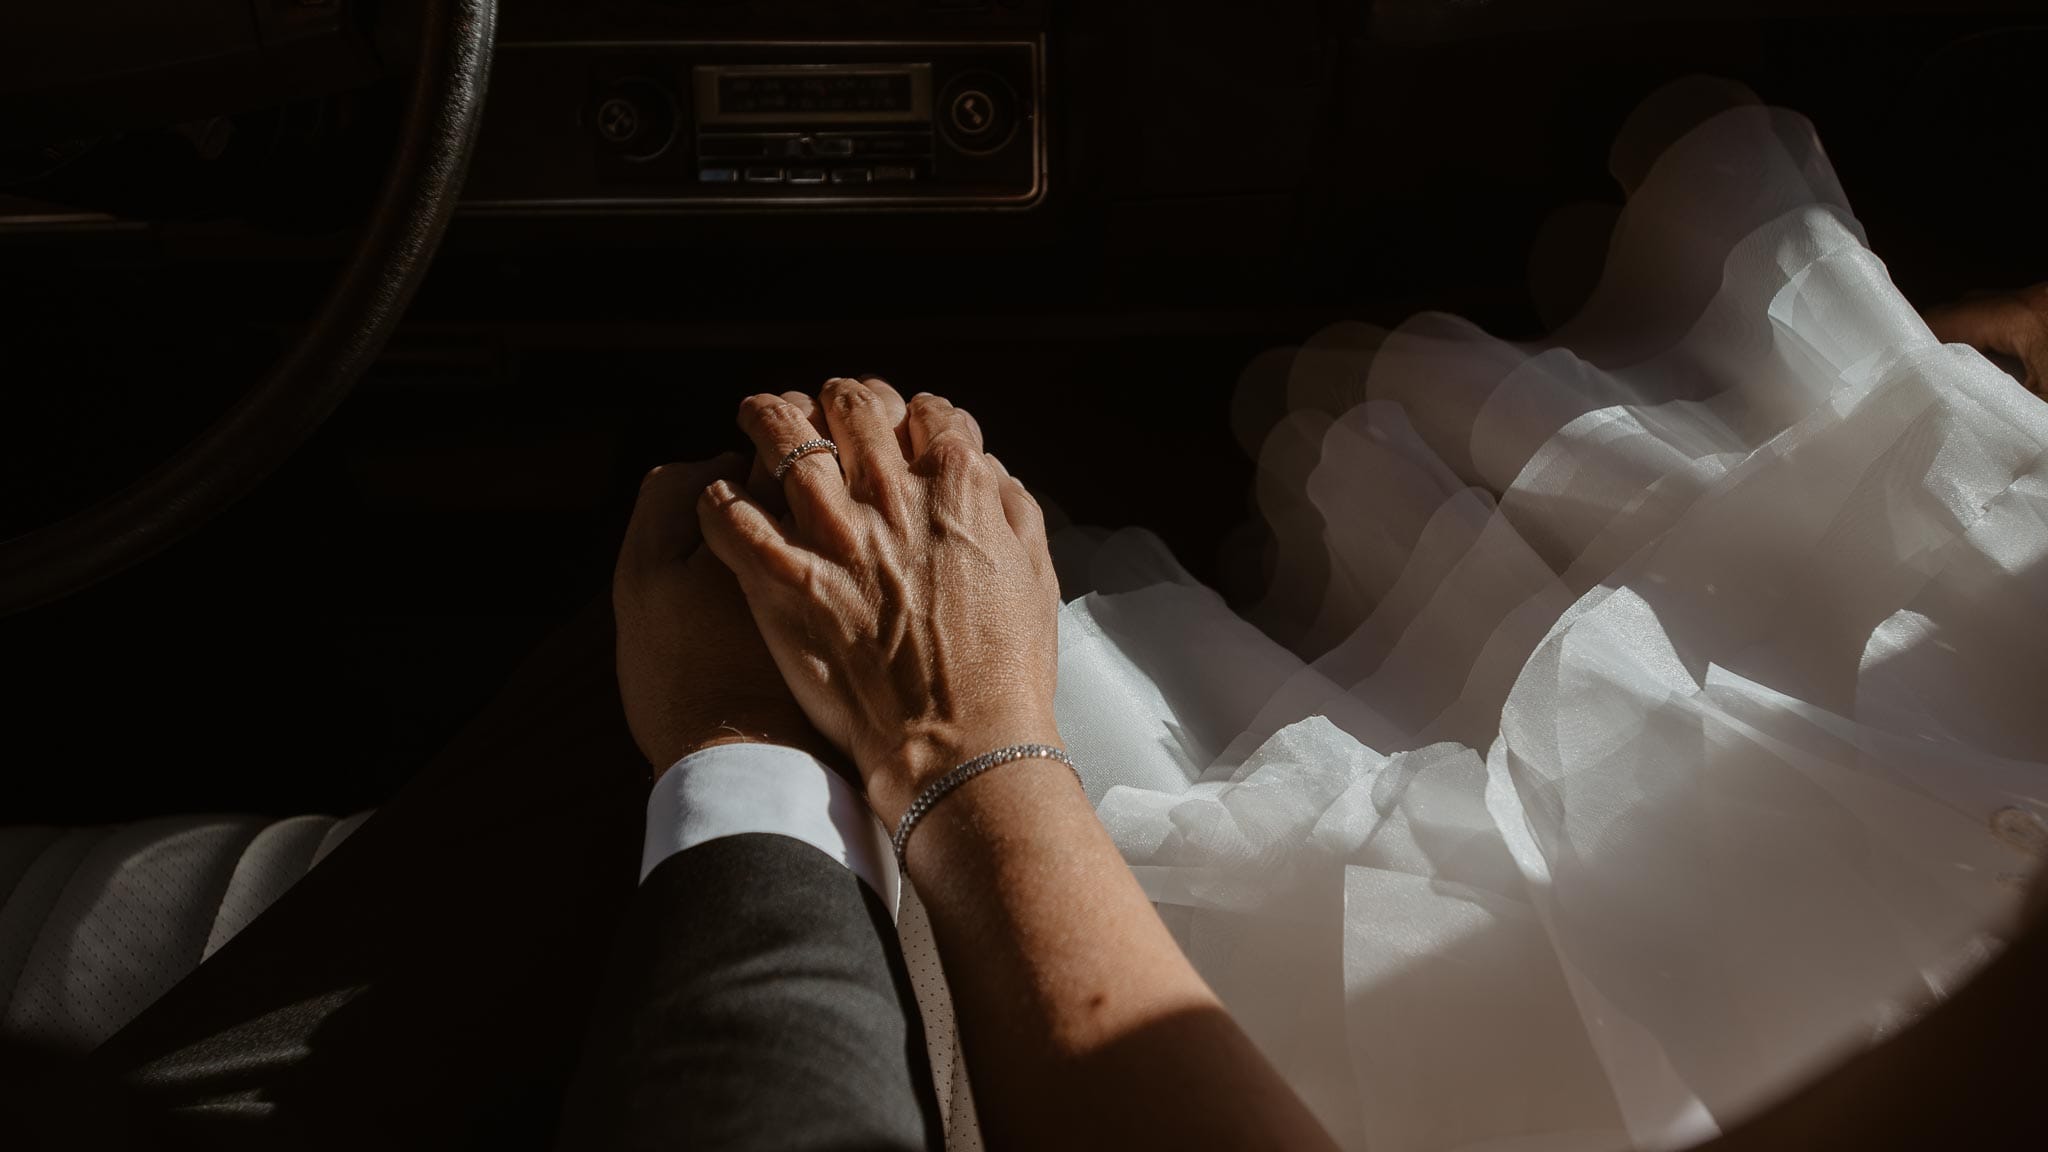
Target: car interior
x: 336, y: 335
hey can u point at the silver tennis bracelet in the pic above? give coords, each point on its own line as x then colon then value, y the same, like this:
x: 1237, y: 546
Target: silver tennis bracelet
x: 936, y: 791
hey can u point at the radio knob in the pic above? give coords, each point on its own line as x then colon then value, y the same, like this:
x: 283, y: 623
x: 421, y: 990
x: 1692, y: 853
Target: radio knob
x: 618, y: 120
x: 979, y: 112
x: 974, y: 112
x: 635, y: 119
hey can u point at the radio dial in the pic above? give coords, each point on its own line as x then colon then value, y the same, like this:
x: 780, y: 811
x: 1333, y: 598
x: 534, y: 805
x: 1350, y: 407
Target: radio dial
x: 973, y: 112
x: 635, y: 119
x: 978, y: 112
x: 618, y: 120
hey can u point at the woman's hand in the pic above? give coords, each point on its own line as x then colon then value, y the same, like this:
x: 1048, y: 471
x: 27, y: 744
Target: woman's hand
x: 2009, y: 324
x: 910, y: 603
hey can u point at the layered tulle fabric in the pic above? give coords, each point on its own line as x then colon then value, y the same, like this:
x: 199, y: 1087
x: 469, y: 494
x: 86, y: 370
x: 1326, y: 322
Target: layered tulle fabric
x: 1635, y: 721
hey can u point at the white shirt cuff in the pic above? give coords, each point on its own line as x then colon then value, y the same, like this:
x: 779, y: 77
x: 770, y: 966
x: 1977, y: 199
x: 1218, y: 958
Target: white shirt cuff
x: 734, y: 789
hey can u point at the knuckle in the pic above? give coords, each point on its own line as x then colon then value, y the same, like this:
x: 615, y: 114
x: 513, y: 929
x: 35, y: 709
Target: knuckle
x: 849, y: 396
x: 951, y: 451
x: 665, y: 487
x: 927, y: 404
x: 771, y: 413
x: 724, y: 516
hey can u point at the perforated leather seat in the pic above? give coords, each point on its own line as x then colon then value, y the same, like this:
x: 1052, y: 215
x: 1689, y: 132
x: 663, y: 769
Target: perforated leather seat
x: 99, y: 922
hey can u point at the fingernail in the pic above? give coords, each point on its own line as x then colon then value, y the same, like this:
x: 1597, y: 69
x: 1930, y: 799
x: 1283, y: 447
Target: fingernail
x: 720, y: 493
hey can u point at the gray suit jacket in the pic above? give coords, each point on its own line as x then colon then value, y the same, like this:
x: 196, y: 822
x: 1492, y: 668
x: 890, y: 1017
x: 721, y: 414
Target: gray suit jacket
x: 757, y: 998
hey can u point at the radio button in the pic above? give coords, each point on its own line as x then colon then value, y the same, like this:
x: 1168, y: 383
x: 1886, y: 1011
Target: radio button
x: 718, y: 175
x: 806, y: 175
x: 851, y: 176
x: 894, y: 174
x: 764, y: 175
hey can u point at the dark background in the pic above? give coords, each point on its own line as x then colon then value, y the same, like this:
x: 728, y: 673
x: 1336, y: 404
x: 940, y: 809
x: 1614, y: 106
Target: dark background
x: 1227, y: 178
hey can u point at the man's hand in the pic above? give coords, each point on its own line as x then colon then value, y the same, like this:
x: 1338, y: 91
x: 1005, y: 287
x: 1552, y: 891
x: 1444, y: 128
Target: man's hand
x: 692, y: 668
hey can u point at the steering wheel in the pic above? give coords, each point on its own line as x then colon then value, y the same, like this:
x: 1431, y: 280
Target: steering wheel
x: 391, y: 255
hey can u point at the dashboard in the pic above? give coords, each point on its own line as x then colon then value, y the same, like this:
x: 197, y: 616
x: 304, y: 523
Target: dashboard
x: 642, y: 106
x: 1045, y: 155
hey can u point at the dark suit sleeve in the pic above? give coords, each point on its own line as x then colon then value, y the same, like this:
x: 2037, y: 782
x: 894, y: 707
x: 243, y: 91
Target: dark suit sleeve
x: 757, y: 998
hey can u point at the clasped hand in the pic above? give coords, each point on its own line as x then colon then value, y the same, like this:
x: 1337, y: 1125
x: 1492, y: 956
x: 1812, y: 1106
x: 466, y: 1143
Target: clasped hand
x: 895, y: 605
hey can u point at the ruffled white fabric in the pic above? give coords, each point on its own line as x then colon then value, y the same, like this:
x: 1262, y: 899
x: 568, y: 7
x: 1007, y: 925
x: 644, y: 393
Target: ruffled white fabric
x: 1655, y: 713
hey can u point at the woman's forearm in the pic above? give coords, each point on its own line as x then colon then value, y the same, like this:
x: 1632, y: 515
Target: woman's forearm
x: 910, y: 602
x: 1083, y: 1023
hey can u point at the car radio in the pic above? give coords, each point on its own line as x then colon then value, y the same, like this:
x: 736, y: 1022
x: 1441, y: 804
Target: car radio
x: 770, y: 125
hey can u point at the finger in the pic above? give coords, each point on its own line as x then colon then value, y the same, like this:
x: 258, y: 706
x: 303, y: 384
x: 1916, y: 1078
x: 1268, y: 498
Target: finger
x: 761, y: 485
x: 899, y: 409
x: 749, y: 541
x: 931, y: 416
x: 802, y: 402
x: 1026, y: 518
x: 960, y: 478
x: 862, y: 424
x: 664, y: 522
x: 812, y: 485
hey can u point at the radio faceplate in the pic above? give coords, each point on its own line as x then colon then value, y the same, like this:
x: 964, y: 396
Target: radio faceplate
x: 722, y: 125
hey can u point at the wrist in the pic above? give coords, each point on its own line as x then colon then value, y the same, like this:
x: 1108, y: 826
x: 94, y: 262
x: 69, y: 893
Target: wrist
x: 770, y: 725
x: 894, y: 778
x: 1007, y: 818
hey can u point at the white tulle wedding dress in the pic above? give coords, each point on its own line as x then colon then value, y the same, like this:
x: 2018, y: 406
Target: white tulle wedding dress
x: 1662, y: 710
